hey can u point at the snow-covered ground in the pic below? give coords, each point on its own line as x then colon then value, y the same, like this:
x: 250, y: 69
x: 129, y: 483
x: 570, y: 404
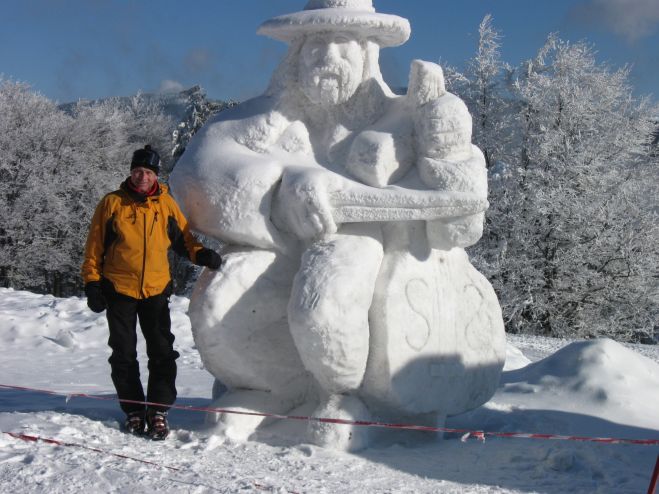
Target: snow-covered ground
x: 596, y: 388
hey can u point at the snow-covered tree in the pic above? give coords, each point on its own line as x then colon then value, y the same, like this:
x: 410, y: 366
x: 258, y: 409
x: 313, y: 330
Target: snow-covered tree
x: 578, y: 254
x: 199, y: 110
x: 33, y: 139
x: 484, y: 88
x: 55, y: 166
x: 56, y: 162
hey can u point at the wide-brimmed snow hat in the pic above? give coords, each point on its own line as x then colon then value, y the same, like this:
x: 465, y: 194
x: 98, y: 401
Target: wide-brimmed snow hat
x: 355, y: 16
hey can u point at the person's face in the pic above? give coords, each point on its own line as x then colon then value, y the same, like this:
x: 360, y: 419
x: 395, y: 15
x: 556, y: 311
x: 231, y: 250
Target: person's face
x: 143, y: 179
x: 331, y: 68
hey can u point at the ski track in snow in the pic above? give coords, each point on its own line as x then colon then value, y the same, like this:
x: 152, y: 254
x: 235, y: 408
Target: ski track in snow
x: 58, y: 344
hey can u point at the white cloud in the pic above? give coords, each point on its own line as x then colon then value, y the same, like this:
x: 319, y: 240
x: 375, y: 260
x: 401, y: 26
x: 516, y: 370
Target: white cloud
x: 198, y: 59
x: 631, y: 19
x: 170, y: 86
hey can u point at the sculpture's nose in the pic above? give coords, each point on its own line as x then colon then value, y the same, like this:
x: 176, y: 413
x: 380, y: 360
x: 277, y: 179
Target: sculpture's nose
x: 330, y: 52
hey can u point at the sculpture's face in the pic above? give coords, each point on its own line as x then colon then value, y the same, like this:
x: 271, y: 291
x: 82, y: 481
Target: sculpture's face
x: 331, y: 68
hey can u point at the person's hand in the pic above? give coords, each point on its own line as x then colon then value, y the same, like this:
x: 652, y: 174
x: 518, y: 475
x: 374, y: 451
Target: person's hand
x: 209, y: 258
x: 95, y: 299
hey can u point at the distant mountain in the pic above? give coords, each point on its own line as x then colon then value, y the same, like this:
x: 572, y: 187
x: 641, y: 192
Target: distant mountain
x: 188, y: 111
x: 177, y: 105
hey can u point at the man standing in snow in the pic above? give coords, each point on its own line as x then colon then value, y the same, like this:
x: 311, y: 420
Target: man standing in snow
x: 126, y: 271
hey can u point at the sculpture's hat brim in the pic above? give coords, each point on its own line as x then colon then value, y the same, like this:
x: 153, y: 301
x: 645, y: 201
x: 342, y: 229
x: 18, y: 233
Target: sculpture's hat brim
x: 384, y: 29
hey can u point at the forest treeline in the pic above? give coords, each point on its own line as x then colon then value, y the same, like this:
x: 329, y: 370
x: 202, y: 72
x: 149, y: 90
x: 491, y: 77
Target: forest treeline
x: 572, y: 234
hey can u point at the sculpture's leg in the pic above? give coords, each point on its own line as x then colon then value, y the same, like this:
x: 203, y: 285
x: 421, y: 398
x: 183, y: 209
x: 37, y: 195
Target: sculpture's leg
x: 237, y: 426
x: 239, y: 323
x: 328, y: 318
x: 328, y: 309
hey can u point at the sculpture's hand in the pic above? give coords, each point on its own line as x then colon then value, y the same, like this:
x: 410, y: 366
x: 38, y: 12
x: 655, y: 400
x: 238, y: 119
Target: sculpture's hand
x: 461, y: 231
x: 443, y: 128
x: 302, y: 204
x: 442, y: 122
x: 426, y: 83
x: 468, y: 175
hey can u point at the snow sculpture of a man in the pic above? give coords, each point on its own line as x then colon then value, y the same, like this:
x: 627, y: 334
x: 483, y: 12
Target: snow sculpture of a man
x: 345, y: 290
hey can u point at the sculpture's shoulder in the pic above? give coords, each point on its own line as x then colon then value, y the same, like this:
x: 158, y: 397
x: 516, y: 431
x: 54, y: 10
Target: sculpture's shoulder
x: 233, y: 119
x: 262, y: 125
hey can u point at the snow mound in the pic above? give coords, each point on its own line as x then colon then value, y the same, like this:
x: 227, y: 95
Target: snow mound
x: 46, y: 322
x: 43, y: 320
x: 599, y: 377
x: 515, y: 358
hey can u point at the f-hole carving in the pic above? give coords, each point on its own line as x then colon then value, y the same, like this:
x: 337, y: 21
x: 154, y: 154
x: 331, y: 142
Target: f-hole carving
x: 419, y: 298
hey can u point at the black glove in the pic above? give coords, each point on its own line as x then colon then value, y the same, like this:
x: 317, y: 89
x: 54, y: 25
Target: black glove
x: 209, y: 258
x: 95, y: 298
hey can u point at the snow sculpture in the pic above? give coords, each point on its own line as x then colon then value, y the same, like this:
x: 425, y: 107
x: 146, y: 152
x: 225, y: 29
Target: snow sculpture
x: 345, y: 290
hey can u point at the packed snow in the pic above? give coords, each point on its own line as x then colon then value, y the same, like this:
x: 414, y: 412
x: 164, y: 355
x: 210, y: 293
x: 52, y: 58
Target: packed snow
x: 345, y: 289
x: 594, y: 388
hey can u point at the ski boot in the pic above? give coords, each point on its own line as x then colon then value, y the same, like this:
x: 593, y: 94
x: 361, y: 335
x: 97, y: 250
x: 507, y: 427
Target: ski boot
x: 135, y: 423
x: 157, y: 426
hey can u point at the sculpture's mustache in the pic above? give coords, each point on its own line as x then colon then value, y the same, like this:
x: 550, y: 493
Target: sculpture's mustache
x: 337, y: 71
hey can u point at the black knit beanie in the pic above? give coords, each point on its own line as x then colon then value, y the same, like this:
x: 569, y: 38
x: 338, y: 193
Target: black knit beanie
x: 146, y: 158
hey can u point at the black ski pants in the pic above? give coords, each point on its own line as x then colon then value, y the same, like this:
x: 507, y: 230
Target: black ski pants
x: 123, y: 312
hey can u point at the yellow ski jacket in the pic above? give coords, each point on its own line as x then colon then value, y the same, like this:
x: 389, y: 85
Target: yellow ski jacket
x: 128, y: 241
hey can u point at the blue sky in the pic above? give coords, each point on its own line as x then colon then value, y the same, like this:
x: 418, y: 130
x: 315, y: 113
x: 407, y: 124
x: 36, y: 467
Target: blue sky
x: 71, y: 49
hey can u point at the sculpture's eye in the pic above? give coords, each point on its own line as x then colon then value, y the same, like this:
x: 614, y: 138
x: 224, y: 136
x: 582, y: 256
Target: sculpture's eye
x: 312, y: 49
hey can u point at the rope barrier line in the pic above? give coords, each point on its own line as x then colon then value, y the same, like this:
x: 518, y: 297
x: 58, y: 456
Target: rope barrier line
x: 34, y: 439
x: 465, y: 433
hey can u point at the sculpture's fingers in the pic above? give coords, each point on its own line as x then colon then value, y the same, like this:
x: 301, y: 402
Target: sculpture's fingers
x: 328, y: 224
x: 315, y: 224
x: 426, y: 82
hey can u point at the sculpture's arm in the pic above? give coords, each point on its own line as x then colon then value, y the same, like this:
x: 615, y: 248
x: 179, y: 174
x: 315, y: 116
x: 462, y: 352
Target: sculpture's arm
x: 312, y: 201
x: 225, y: 188
x: 361, y: 203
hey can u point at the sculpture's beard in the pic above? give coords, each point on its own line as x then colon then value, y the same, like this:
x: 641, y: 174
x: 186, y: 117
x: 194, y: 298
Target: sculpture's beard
x: 330, y: 85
